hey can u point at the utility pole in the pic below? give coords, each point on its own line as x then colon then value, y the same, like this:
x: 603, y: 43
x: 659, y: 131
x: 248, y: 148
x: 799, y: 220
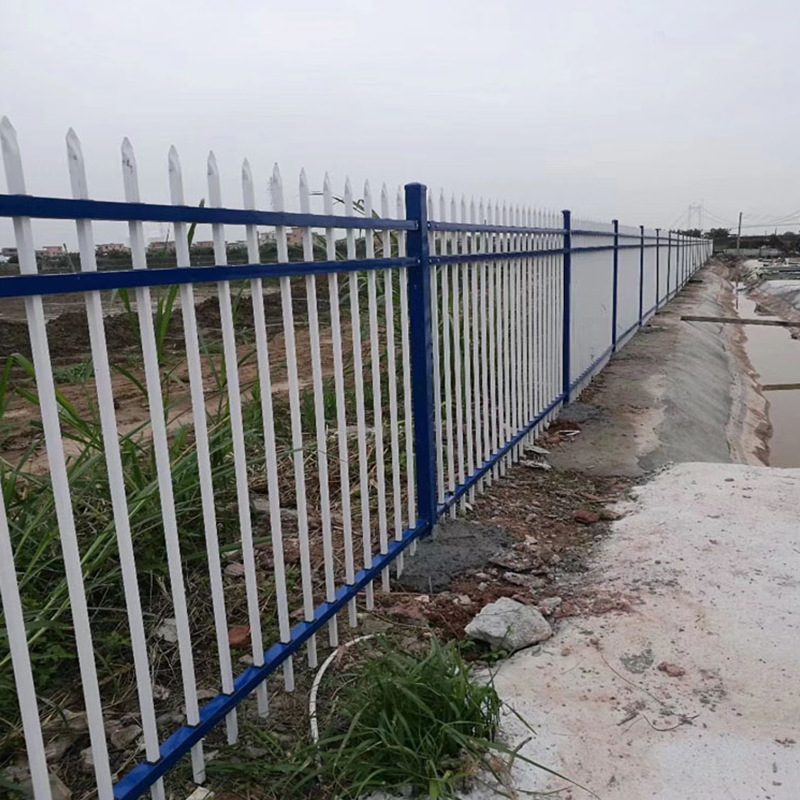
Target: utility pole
x: 739, y: 234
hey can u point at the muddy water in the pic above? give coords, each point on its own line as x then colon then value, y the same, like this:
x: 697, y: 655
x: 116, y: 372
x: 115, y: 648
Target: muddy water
x: 775, y: 356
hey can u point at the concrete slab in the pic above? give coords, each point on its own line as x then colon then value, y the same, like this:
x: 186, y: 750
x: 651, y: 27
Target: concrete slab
x: 707, y: 560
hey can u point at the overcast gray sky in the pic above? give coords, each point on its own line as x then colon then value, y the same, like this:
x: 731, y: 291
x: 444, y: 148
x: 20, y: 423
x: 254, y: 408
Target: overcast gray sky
x: 626, y: 109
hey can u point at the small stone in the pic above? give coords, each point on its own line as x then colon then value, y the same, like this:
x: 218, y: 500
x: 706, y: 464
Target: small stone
x: 57, y: 747
x: 87, y: 760
x: 565, y: 651
x: 483, y: 586
x: 169, y: 718
x: 122, y: 738
x: 464, y: 600
x: 594, y: 641
x: 246, y: 660
x: 256, y: 752
x: 206, y: 694
x: 423, y: 598
x: 168, y: 630
x: 481, y: 576
x: 549, y: 605
x: 239, y: 637
x: 673, y: 670
x: 585, y: 517
x: 261, y: 505
x: 235, y: 570
x: 372, y: 625
x: 530, y: 517
x: 58, y: 790
x: 509, y: 625
x: 609, y: 515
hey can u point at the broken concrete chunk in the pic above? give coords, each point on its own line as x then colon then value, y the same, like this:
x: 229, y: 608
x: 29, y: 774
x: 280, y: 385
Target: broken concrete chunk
x: 509, y: 625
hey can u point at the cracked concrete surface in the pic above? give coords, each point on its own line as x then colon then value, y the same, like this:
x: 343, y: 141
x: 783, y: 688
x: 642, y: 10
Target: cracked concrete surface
x: 707, y: 558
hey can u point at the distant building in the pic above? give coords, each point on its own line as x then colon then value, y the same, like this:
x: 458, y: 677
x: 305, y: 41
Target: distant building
x: 266, y: 237
x: 111, y: 248
x: 203, y: 245
x: 294, y: 237
x: 160, y: 246
x: 51, y: 251
x: 8, y: 252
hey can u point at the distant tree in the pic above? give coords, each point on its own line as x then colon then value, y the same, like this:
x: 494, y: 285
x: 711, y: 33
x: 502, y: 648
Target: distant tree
x: 691, y: 232
x: 718, y: 233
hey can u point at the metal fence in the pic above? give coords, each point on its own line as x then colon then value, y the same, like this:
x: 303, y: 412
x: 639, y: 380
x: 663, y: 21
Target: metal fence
x: 379, y: 384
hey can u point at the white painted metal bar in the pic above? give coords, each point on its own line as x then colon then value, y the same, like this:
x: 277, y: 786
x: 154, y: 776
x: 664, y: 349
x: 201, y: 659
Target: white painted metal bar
x: 276, y: 192
x: 506, y: 340
x: 320, y: 423
x: 58, y: 471
x: 377, y: 400
x: 491, y: 279
x: 447, y: 365
x: 465, y: 271
x: 476, y: 270
x: 158, y: 426
x: 391, y: 375
x: 358, y: 379
x: 201, y: 443
x: 455, y: 273
x: 231, y: 358
x: 436, y: 358
x: 111, y: 448
x: 405, y: 350
x: 21, y: 663
x: 270, y: 456
x: 486, y: 304
x: 341, y: 409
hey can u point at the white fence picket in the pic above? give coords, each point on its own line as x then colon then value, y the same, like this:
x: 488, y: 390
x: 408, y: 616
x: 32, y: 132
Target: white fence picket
x: 200, y: 423
x: 391, y: 374
x: 319, y: 413
x: 231, y: 358
x: 271, y: 459
x: 341, y: 419
x: 48, y: 403
x: 162, y: 460
x: 298, y: 460
x: 358, y: 379
x: 116, y: 477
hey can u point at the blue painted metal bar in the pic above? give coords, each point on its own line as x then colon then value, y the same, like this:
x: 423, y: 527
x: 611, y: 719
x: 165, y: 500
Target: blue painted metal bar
x: 615, y: 298
x: 641, y: 274
x: 468, y: 227
x: 25, y: 205
x: 142, y: 777
x: 529, y: 254
x: 29, y: 285
x: 566, y: 320
x: 419, y: 310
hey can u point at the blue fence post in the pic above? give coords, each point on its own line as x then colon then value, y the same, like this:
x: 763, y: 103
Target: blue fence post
x: 421, y: 341
x: 658, y: 268
x: 615, y: 296
x: 641, y: 274
x: 566, y: 320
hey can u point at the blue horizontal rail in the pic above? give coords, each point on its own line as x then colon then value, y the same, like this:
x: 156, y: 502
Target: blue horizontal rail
x: 143, y: 776
x: 28, y: 285
x: 25, y: 205
x: 469, y: 227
